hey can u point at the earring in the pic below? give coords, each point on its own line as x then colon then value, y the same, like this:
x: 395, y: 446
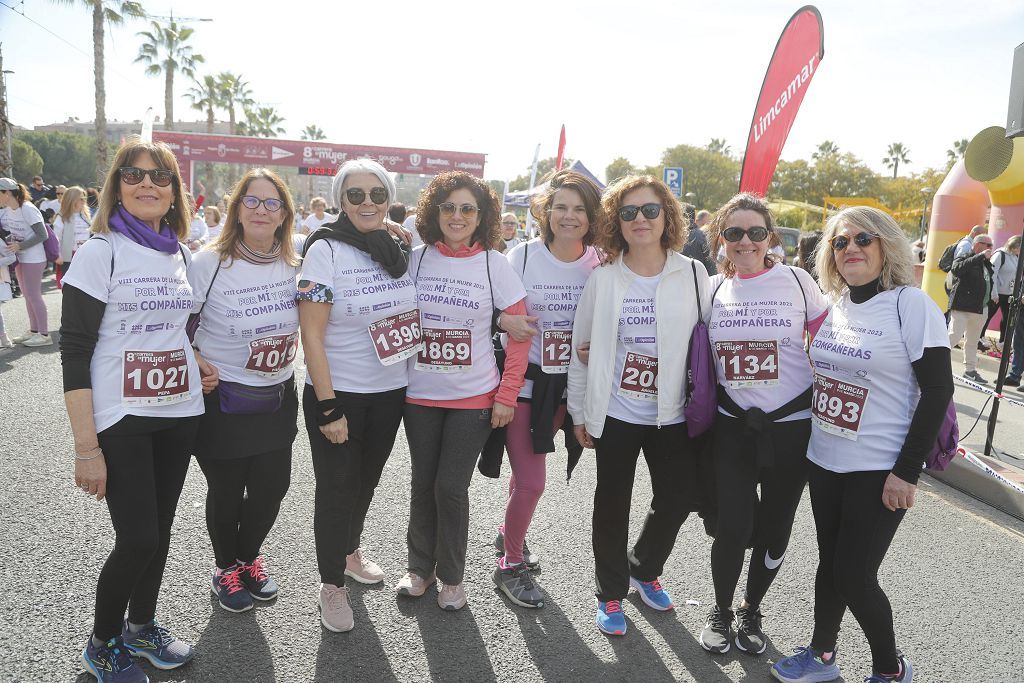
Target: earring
x: 172, y: 206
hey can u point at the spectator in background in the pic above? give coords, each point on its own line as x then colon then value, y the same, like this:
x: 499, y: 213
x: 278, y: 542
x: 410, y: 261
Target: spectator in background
x: 1004, y: 272
x: 71, y: 226
x: 318, y: 217
x: 37, y: 190
x: 24, y: 223
x: 53, y: 198
x: 509, y: 228
x: 92, y: 200
x: 972, y: 290
x: 696, y: 246
x: 966, y: 244
x: 214, y: 222
x: 702, y: 218
x: 917, y: 249
x: 397, y: 213
x: 805, y: 252
x: 200, y: 234
x: 410, y: 225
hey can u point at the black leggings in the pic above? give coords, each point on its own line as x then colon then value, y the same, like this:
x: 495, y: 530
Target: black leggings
x: 854, y: 533
x: 672, y: 460
x: 147, y: 460
x: 243, y: 498
x: 348, y: 473
x: 743, y: 517
x: 1002, y: 305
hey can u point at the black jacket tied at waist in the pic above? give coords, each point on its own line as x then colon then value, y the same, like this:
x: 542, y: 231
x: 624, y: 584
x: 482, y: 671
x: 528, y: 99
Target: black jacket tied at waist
x: 759, y: 424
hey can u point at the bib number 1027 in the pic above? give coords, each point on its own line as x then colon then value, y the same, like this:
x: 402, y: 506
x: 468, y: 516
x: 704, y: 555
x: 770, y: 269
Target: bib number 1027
x: 154, y: 377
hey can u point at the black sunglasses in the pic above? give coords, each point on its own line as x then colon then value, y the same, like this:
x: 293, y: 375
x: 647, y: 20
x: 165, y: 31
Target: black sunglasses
x: 273, y: 205
x: 378, y: 195
x: 650, y: 211
x: 861, y: 239
x: 131, y: 175
x: 756, y: 234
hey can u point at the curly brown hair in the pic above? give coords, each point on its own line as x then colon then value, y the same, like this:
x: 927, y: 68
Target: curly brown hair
x: 609, y: 229
x: 488, y: 230
x: 586, y: 188
x: 744, y: 201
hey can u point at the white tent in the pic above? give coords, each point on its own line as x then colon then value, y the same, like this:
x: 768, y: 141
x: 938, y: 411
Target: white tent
x: 523, y: 197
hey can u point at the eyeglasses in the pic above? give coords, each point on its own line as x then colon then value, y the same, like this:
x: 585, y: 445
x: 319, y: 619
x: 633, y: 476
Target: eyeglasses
x: 130, y: 175
x: 378, y: 195
x: 273, y: 205
x: 650, y: 211
x: 510, y: 224
x: 755, y: 234
x: 861, y: 239
x: 448, y: 209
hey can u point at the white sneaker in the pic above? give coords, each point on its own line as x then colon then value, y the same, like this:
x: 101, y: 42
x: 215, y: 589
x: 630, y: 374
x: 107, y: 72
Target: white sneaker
x: 38, y: 340
x: 451, y: 598
x: 23, y: 337
x: 5, y: 342
x: 363, y: 569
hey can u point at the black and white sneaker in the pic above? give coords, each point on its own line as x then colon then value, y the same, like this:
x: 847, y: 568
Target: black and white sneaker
x: 749, y: 636
x: 516, y: 583
x: 529, y: 559
x: 717, y: 633
x: 975, y: 377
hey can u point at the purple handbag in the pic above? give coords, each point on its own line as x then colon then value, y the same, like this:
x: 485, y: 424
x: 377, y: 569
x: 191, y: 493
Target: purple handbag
x: 701, y: 379
x: 242, y: 399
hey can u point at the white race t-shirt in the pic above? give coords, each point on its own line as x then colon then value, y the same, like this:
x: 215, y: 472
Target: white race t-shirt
x: 312, y: 223
x: 143, y: 363
x: 457, y: 360
x: 212, y: 232
x: 19, y: 223
x: 756, y: 331
x: 410, y: 225
x: 249, y: 326
x: 80, y: 227
x: 199, y: 229
x: 865, y: 392
x: 634, y: 396
x: 373, y: 325
x: 52, y: 204
x: 553, y: 288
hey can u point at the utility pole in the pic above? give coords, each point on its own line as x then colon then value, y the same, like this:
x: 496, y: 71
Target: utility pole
x: 6, y: 130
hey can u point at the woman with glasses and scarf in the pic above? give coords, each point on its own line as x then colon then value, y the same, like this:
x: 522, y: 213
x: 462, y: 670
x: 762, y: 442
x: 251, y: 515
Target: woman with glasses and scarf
x: 760, y: 312
x: 882, y: 386
x: 134, y: 396
x: 357, y: 310
x: 456, y: 393
x: 637, y: 314
x: 244, y: 446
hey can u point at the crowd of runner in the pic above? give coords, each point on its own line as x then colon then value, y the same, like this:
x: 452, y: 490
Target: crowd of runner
x: 179, y: 339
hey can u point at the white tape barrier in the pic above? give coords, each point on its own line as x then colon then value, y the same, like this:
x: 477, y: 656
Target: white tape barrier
x: 986, y: 390
x: 984, y: 467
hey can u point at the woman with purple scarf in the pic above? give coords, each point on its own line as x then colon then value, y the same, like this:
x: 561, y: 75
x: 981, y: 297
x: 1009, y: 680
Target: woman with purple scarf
x: 134, y: 393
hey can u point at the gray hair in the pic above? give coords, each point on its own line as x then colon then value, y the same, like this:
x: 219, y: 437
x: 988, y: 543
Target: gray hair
x: 353, y: 166
x: 897, y: 260
x: 982, y: 236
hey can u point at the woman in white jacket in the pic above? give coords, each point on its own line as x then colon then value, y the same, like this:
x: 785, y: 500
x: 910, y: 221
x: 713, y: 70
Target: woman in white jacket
x: 629, y: 396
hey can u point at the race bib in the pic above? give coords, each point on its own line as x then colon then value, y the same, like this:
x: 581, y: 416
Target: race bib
x: 639, y: 379
x: 396, y: 337
x: 445, y: 350
x: 749, y: 363
x: 555, y: 350
x: 268, y: 356
x: 838, y: 406
x: 151, y: 378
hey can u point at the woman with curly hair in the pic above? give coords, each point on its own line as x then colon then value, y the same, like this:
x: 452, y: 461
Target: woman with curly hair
x: 456, y: 394
x: 637, y: 314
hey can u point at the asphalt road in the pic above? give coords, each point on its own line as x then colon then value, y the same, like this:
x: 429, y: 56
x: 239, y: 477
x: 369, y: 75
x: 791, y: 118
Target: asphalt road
x: 954, y: 576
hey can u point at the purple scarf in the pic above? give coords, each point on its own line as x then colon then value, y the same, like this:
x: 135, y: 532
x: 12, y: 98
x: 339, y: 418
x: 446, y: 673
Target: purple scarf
x: 134, y: 229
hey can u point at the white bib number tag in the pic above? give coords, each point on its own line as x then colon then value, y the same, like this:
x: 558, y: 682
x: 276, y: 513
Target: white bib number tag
x: 150, y: 378
x: 396, y: 337
x: 446, y: 350
x: 639, y: 379
x: 268, y: 356
x: 838, y: 406
x: 556, y: 350
x: 749, y: 363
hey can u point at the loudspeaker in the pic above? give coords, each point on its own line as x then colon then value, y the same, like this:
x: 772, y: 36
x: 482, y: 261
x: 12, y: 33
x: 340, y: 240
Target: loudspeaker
x: 1015, y: 115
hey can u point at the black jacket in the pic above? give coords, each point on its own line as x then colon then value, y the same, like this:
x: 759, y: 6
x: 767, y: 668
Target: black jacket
x: 972, y: 279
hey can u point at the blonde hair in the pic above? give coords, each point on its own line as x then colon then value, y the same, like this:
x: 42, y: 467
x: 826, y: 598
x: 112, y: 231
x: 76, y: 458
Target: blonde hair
x: 609, y: 229
x: 227, y: 241
x: 179, y: 217
x: 67, y: 204
x: 214, y: 210
x: 897, y: 257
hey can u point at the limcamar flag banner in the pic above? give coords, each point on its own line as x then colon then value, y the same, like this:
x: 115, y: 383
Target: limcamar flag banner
x: 794, y: 63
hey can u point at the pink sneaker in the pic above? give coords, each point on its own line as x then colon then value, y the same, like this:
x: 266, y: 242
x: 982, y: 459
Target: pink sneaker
x: 413, y: 585
x: 335, y: 610
x: 363, y: 570
x: 451, y: 598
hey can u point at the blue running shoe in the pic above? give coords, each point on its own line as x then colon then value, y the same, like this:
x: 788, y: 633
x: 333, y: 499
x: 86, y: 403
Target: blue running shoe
x: 610, y: 618
x: 653, y: 595
x: 805, y: 667
x: 112, y: 663
x: 256, y: 580
x: 906, y: 673
x: 229, y: 589
x: 156, y: 644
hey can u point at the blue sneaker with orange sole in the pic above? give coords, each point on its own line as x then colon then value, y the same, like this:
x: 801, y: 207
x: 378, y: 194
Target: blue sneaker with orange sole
x: 610, y: 619
x: 806, y: 666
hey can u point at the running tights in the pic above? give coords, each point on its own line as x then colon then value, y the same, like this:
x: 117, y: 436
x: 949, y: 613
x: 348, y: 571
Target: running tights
x: 30, y: 279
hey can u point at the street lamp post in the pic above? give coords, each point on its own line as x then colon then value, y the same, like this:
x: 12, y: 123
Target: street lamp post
x: 926, y: 191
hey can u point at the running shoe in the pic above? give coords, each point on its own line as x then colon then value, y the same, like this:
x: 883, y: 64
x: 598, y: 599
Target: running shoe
x: 749, y: 636
x: 335, y: 609
x: 112, y: 663
x: 362, y: 569
x: 413, y: 585
x: 256, y: 580
x: 653, y: 595
x: 906, y: 674
x: 158, y: 645
x: 451, y: 598
x: 516, y: 583
x: 5, y: 342
x: 230, y: 591
x: 38, y: 340
x: 717, y: 634
x: 529, y: 559
x: 610, y: 619
x: 1011, y: 382
x: 806, y: 666
x: 975, y: 377
x: 24, y: 336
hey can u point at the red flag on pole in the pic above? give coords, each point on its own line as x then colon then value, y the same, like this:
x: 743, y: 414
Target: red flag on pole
x: 795, y: 61
x: 561, y: 149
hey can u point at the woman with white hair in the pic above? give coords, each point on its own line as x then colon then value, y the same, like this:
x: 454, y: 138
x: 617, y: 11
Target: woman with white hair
x: 882, y: 385
x: 359, y: 324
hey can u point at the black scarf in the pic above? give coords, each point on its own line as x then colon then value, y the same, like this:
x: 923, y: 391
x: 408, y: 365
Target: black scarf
x: 379, y: 244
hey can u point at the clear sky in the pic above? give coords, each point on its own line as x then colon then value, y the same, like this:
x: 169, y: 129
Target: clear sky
x: 626, y: 78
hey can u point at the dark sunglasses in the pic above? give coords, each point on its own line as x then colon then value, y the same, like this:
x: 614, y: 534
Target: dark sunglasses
x: 448, y: 209
x: 755, y: 234
x: 273, y: 205
x: 650, y: 211
x: 130, y: 175
x: 861, y: 239
x: 378, y: 195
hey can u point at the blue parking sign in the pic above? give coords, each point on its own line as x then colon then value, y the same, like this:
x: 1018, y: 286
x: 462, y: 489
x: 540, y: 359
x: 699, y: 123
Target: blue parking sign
x: 673, y: 177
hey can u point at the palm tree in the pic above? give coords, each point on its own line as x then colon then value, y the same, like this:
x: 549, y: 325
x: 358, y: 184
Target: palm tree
x: 263, y: 122
x: 718, y: 146
x: 234, y: 92
x: 205, y: 95
x: 165, y: 52
x: 313, y: 132
x: 113, y: 12
x: 825, y: 149
x: 896, y: 155
x: 958, y: 151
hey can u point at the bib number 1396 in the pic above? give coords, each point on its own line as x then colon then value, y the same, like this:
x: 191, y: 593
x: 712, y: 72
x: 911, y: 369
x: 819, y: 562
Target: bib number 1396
x: 154, y: 377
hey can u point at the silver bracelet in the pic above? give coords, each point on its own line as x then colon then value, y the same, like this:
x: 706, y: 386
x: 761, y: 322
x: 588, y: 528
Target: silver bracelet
x: 91, y: 457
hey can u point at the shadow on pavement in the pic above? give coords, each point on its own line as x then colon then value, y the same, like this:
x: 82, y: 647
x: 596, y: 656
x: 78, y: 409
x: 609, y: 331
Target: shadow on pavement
x: 556, y: 649
x: 230, y: 643
x: 358, y: 655
x: 451, y: 641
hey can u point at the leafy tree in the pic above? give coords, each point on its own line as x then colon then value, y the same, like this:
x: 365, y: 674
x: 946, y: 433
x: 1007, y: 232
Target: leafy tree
x: 67, y: 158
x: 794, y: 180
x: 825, y: 149
x: 312, y: 132
x: 712, y: 177
x: 842, y: 176
x: 113, y: 12
x: 205, y: 96
x: 234, y: 91
x: 619, y: 168
x: 165, y: 51
x: 544, y: 168
x: 718, y: 146
x: 262, y: 122
x: 26, y: 161
x: 957, y: 152
x: 896, y: 155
